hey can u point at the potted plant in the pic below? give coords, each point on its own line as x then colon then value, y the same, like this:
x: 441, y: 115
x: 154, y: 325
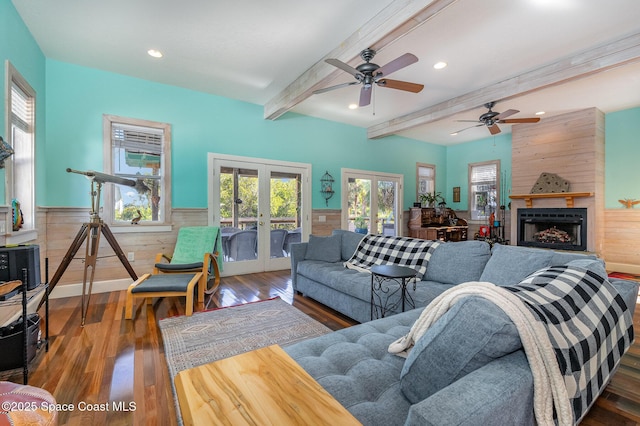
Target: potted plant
x: 361, y: 225
x: 431, y: 198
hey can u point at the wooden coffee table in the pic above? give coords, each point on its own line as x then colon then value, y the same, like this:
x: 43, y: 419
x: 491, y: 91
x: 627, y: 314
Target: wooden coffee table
x: 261, y: 387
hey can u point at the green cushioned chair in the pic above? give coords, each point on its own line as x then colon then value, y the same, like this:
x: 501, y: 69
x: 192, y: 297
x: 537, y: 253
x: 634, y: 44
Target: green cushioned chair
x: 198, y: 249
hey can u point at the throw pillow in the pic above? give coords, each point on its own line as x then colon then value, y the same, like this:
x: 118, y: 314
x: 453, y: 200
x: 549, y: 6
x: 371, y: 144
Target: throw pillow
x: 593, y: 265
x: 350, y: 242
x: 509, y: 265
x: 326, y: 249
x: 471, y: 334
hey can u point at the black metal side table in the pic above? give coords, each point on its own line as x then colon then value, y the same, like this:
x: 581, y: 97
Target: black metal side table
x: 382, y: 299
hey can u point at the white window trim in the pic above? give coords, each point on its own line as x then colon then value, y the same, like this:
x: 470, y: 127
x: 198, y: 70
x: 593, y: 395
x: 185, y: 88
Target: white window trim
x: 424, y: 165
x: 25, y: 234
x: 118, y: 227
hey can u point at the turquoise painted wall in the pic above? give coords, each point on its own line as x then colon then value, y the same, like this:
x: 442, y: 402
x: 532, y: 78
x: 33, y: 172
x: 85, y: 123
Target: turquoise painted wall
x: 458, y: 159
x: 18, y: 46
x: 622, y: 151
x: 77, y: 98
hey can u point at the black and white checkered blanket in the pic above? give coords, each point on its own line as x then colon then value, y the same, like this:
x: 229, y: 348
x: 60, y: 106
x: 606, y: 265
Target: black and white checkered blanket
x: 383, y: 250
x: 574, y: 328
x: 588, y: 324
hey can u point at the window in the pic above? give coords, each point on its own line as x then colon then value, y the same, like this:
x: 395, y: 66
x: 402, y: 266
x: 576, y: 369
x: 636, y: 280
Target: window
x: 20, y: 167
x: 138, y: 150
x: 426, y: 179
x: 484, y: 190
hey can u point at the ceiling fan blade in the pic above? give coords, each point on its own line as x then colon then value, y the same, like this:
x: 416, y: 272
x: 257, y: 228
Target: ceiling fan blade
x: 400, y: 85
x: 506, y: 114
x: 398, y: 63
x: 344, y: 67
x: 494, y: 129
x: 365, y: 96
x: 469, y: 121
x: 467, y: 128
x: 339, y: 86
x: 521, y: 120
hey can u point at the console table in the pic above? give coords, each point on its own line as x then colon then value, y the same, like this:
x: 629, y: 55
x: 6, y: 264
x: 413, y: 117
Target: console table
x: 261, y: 387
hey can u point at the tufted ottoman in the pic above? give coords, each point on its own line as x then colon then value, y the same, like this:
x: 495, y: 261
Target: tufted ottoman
x: 26, y: 405
x: 354, y: 365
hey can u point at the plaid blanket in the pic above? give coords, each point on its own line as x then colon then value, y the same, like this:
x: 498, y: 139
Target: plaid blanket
x: 588, y: 324
x: 383, y: 250
x: 574, y: 328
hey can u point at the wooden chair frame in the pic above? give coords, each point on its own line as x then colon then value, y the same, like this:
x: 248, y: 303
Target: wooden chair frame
x: 149, y: 295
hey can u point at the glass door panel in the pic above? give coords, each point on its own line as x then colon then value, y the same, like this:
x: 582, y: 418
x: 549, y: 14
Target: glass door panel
x: 285, y: 221
x: 387, y: 205
x: 359, y: 204
x: 239, y: 213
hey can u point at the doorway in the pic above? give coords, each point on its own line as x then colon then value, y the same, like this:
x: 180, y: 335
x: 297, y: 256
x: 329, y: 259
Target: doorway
x: 373, y: 198
x: 262, y: 207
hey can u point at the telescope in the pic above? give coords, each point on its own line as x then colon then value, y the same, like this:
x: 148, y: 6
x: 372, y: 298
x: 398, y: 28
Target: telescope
x: 103, y: 177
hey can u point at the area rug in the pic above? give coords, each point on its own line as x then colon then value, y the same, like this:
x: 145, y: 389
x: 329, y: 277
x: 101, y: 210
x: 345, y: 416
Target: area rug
x: 209, y: 336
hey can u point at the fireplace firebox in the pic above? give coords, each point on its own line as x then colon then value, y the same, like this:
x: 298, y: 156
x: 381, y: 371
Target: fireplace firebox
x: 560, y: 229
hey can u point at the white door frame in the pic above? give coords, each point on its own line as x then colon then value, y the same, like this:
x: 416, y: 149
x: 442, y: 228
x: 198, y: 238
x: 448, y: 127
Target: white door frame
x: 264, y: 167
x: 375, y: 177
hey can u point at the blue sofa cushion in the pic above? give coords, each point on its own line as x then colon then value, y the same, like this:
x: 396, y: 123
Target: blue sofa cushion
x: 326, y: 249
x: 471, y: 334
x: 458, y: 262
x: 511, y: 264
x: 350, y: 242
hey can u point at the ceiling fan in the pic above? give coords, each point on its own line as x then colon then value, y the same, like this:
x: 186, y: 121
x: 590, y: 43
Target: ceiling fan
x: 369, y: 73
x: 492, y: 118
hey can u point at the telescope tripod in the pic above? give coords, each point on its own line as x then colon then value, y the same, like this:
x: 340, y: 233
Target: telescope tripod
x: 90, y: 233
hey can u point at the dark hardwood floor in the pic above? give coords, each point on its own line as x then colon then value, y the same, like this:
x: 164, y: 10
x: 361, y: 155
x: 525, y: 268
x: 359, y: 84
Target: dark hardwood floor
x: 112, y: 360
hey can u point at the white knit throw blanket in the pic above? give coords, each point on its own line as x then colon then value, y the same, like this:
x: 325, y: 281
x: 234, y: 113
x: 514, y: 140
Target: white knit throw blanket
x: 549, y: 386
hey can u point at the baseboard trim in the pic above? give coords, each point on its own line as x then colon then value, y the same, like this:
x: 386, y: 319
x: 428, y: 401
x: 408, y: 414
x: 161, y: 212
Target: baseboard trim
x: 623, y: 267
x: 70, y: 290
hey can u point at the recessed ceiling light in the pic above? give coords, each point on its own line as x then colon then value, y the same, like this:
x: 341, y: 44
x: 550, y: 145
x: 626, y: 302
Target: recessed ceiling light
x: 540, y: 113
x: 454, y: 134
x: 439, y: 65
x: 155, y: 53
x: 353, y: 106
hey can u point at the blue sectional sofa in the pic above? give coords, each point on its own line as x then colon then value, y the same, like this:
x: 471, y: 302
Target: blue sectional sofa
x: 468, y: 369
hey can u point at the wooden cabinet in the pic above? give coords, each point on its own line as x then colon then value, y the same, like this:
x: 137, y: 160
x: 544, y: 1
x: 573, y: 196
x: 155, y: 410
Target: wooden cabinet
x: 436, y: 224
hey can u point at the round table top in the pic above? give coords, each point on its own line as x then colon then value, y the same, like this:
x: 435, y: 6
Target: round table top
x: 393, y: 271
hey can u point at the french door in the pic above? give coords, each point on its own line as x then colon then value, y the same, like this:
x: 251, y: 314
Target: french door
x: 373, y: 198
x: 262, y: 207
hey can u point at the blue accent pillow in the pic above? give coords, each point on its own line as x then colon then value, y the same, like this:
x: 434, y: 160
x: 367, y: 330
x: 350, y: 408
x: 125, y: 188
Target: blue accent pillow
x: 470, y: 335
x: 326, y: 249
x: 350, y: 242
x: 509, y: 265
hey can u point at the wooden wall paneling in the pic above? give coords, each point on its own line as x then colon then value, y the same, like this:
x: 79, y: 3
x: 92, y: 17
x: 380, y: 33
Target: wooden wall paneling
x: 333, y: 220
x: 622, y: 240
x: 571, y: 145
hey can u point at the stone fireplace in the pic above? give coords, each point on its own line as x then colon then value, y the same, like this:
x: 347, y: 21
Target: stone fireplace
x: 558, y: 229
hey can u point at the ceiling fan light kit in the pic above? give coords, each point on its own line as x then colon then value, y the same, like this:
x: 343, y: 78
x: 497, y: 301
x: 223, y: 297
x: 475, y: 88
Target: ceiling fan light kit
x: 491, y: 119
x: 367, y: 74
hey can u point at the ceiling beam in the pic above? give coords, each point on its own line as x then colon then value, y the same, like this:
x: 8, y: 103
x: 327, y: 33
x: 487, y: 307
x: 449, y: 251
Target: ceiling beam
x: 393, y: 22
x: 611, y: 55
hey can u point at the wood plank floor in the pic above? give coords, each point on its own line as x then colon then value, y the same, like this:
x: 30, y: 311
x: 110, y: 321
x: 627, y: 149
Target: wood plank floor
x: 120, y: 363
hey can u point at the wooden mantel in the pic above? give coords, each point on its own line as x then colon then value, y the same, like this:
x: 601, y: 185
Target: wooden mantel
x: 568, y: 196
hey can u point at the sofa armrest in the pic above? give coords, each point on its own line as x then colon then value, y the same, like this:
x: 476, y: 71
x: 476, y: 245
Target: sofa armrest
x: 501, y: 392
x: 298, y: 252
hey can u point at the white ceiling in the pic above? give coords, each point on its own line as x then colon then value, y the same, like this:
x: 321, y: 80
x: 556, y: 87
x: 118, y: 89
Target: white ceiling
x: 253, y: 50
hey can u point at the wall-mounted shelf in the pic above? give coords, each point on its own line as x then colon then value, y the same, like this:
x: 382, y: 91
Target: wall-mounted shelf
x: 568, y: 196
